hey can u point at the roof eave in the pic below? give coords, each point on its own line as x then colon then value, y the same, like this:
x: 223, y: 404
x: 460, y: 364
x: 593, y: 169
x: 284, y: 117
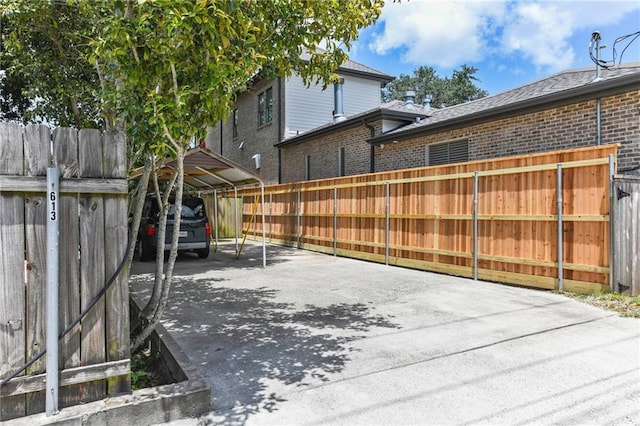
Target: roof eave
x: 587, y: 90
x: 350, y: 123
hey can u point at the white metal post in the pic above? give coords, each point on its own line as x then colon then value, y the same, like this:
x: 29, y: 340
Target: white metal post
x: 51, y: 394
x: 235, y: 207
x: 215, y: 218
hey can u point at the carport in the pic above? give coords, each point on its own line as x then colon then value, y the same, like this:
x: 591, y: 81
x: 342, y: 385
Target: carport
x: 206, y: 172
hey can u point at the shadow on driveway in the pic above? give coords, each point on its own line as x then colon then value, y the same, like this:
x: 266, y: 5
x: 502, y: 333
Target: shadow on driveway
x: 243, y: 340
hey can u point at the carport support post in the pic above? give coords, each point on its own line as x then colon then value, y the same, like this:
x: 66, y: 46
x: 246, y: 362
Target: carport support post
x: 51, y: 381
x: 235, y: 209
x: 612, y: 228
x: 475, y: 226
x: 215, y: 218
x: 335, y: 220
x: 264, y: 237
x: 270, y: 216
x: 386, y: 225
x: 560, y: 242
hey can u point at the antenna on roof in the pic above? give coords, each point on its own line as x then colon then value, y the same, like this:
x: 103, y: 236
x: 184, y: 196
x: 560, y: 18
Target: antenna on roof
x: 595, y: 39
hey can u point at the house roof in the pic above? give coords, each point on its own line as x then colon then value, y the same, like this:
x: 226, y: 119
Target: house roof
x: 357, y: 69
x: 394, y: 110
x: 568, y: 85
x: 204, y: 170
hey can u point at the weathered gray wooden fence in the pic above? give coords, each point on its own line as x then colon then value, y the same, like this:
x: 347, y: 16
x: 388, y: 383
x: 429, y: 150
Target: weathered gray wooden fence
x: 627, y: 234
x: 94, y: 355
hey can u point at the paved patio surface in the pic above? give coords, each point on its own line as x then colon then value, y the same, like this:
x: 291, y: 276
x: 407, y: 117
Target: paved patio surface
x: 319, y: 340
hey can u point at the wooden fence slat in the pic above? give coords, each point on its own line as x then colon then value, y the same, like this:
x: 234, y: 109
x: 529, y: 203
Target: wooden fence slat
x: 12, y: 298
x: 627, y: 235
x: 36, y: 151
x: 65, y: 143
x: 116, y: 232
x: 92, y: 272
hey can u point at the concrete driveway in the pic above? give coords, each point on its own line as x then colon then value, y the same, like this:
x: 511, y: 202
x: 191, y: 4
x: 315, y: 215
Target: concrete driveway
x: 319, y: 340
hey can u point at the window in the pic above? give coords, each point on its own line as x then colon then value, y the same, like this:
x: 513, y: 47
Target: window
x: 341, y: 162
x: 307, y: 167
x: 235, y: 123
x: 265, y: 107
x: 447, y: 153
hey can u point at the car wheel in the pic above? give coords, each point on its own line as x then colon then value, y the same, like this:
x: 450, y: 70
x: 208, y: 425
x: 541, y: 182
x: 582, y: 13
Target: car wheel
x: 144, y: 254
x: 203, y: 253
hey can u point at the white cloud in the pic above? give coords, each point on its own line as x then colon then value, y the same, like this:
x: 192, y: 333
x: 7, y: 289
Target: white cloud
x: 437, y: 32
x: 446, y: 34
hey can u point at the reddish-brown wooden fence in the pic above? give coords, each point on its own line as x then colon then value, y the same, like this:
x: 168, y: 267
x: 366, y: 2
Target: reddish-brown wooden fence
x: 94, y: 356
x: 496, y: 220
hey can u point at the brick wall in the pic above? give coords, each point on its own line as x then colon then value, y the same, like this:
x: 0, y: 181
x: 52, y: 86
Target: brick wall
x: 323, y: 153
x: 564, y: 127
x: 255, y: 140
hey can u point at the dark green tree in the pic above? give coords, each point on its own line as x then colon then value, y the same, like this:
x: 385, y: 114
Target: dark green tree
x: 460, y: 87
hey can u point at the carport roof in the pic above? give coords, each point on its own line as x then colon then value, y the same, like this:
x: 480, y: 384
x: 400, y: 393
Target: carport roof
x: 205, y: 170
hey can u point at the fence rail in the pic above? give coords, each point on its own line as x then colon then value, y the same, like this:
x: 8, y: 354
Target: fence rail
x: 540, y: 221
x: 94, y: 355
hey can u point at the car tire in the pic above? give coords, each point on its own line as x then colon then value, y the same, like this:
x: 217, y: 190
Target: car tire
x: 144, y: 254
x: 203, y: 253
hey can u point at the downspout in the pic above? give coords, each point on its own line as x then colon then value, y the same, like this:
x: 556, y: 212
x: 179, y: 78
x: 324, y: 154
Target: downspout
x: 372, y: 155
x: 598, y: 123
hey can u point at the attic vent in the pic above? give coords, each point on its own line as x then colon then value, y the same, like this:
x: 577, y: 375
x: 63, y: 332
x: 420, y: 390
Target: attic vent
x: 409, y: 98
x: 447, y: 153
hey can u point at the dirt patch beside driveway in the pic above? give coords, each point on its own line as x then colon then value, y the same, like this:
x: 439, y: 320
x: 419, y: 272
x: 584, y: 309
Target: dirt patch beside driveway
x: 315, y: 339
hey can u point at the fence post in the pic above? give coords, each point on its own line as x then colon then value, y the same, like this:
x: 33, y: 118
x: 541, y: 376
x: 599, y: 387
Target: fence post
x: 270, y: 217
x: 264, y: 237
x: 612, y: 226
x: 387, y: 205
x: 475, y: 226
x: 298, y: 220
x: 560, y: 239
x: 335, y: 220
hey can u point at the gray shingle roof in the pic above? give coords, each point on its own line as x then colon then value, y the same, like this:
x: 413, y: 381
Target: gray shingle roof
x: 357, y: 68
x: 540, y: 91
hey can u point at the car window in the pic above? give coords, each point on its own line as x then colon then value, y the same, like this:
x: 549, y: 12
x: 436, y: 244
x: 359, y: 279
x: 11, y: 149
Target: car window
x: 188, y: 211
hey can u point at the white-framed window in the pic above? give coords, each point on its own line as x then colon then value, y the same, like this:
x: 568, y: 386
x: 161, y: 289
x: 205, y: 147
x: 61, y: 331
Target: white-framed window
x: 265, y: 107
x: 447, y: 153
x: 235, y: 123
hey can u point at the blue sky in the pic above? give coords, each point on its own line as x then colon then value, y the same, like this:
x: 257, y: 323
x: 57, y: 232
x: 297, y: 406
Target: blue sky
x: 510, y: 42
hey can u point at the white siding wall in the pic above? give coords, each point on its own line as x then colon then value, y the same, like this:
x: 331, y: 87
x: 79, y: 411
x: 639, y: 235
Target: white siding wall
x: 309, y: 107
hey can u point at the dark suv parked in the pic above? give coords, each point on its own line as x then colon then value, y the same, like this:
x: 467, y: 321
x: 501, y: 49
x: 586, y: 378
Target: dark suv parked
x: 195, y: 231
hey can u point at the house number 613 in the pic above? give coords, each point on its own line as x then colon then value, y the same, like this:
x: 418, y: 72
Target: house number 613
x: 52, y: 198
